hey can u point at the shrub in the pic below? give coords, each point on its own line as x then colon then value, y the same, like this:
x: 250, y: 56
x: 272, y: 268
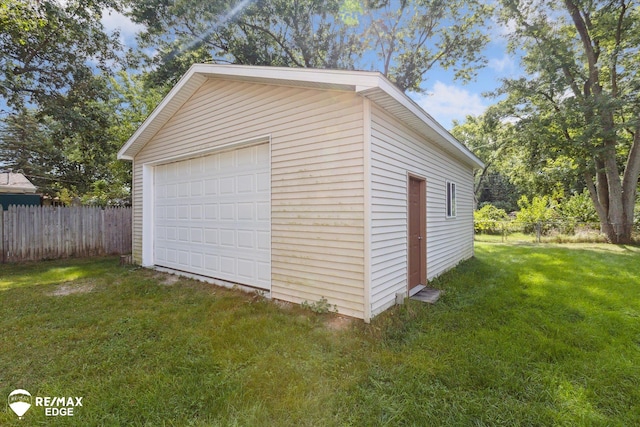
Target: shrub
x: 579, y: 208
x: 541, y: 209
x: 488, y: 218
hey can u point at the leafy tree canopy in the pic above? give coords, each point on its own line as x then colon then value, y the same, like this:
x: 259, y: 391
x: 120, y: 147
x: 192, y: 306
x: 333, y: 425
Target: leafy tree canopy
x: 578, y: 106
x: 68, y: 112
x: 402, y: 39
x: 48, y: 47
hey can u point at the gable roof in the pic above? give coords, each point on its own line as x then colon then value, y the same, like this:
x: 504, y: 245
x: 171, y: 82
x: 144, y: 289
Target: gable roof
x: 371, y: 85
x: 15, y: 183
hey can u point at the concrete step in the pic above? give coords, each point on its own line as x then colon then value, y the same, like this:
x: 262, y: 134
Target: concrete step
x: 429, y: 295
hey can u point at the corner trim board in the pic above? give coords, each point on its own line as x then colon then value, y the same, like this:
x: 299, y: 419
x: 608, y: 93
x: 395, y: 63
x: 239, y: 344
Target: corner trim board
x: 367, y: 209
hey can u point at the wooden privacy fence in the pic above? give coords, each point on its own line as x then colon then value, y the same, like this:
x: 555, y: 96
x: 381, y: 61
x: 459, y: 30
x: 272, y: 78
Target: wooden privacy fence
x: 32, y: 233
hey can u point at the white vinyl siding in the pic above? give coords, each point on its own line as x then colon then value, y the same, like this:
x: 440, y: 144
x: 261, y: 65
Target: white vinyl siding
x: 396, y: 152
x: 317, y: 179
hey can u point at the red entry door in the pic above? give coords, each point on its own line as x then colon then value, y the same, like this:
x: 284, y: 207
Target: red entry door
x: 417, y: 233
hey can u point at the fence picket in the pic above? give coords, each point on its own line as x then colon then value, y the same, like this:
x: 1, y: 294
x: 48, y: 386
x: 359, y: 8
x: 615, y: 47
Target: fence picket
x: 31, y: 233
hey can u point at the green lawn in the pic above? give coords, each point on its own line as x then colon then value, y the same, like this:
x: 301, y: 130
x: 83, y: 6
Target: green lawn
x: 525, y: 335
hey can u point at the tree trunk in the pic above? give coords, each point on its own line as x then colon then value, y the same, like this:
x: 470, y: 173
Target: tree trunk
x: 616, y: 216
x: 616, y: 210
x: 602, y: 185
x: 478, y: 187
x: 630, y: 180
x: 601, y: 209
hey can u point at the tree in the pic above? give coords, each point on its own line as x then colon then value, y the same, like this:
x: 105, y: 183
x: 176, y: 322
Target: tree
x: 130, y: 103
x: 298, y: 33
x: 68, y: 147
x: 579, y: 207
x: 410, y: 37
x: 490, y: 139
x: 26, y: 146
x: 407, y: 38
x: 56, y: 60
x: 537, y: 212
x: 580, y: 100
x: 489, y: 219
x: 46, y: 47
x: 499, y: 191
x: 75, y: 148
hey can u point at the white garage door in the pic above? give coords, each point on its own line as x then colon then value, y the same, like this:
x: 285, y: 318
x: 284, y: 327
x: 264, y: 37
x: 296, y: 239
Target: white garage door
x: 213, y: 216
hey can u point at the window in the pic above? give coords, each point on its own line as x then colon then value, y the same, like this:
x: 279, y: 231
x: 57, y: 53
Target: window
x: 451, y: 199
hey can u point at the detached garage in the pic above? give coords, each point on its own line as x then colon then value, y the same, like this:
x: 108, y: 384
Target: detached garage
x: 300, y: 183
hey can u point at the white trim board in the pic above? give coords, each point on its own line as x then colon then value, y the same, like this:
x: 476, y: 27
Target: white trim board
x: 213, y: 150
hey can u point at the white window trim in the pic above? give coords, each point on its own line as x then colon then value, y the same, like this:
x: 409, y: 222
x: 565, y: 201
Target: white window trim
x: 451, y: 199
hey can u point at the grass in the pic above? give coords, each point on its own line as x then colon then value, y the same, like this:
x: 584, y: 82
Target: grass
x: 524, y: 335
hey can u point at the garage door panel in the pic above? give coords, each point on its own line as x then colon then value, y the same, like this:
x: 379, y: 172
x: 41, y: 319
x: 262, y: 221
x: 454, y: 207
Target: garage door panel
x: 196, y: 212
x: 172, y: 190
x: 213, y: 216
x: 246, y: 184
x: 227, y: 266
x: 196, y: 234
x: 246, y: 211
x: 211, y: 236
x: 227, y: 211
x: 227, y: 185
x: 196, y: 188
x: 211, y: 186
x: 184, y: 253
x: 264, y: 271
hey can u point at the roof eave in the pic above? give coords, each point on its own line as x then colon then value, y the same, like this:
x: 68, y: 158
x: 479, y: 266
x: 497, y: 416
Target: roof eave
x: 441, y: 136
x: 17, y: 190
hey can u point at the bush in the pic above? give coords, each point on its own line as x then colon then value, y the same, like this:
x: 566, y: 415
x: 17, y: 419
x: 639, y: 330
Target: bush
x: 579, y: 208
x: 541, y: 209
x: 488, y: 219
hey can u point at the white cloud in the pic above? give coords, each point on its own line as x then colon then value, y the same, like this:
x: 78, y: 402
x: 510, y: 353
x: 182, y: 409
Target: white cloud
x: 113, y: 20
x: 446, y: 103
x: 502, y: 65
x: 500, y: 31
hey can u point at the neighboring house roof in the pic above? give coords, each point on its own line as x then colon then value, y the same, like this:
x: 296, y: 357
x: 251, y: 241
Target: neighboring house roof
x: 372, y: 85
x: 15, y: 183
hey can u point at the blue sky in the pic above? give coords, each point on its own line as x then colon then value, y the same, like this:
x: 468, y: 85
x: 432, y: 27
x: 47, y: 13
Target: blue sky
x: 444, y: 99
x: 447, y: 99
